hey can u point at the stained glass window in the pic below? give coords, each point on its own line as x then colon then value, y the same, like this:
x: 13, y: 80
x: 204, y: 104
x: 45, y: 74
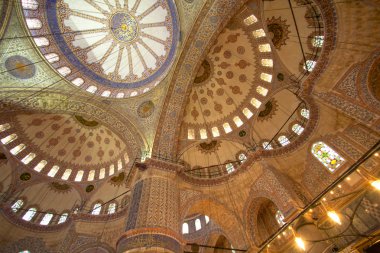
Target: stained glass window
x: 267, y: 62
x: 298, y: 129
x: 227, y: 128
x: 255, y: 102
x: 266, y: 77
x: 230, y: 168
x: 190, y: 134
x: 250, y: 20
x: 112, y: 208
x: 242, y: 157
x: 247, y: 113
x: 280, y: 218
x: 258, y: 33
x: 185, y: 228
x: 283, y: 140
x: 318, y: 41
x: 305, y: 113
x: 262, y: 91
x: 264, y: 48
x: 29, y: 214
x: 203, y: 133
x: 267, y: 145
x: 63, y: 218
x: 97, y: 208
x: 327, y: 156
x: 215, y: 132
x: 33, y: 23
x: 198, y: 224
x: 46, y: 219
x: 238, y: 122
x: 17, y: 205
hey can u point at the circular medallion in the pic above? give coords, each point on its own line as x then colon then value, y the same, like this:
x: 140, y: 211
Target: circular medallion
x: 145, y: 109
x: 20, y: 67
x: 90, y: 188
x: 124, y: 27
x: 25, y: 176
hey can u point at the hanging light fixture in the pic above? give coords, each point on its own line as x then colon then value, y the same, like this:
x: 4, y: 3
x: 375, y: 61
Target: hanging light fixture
x: 376, y: 184
x: 334, y: 217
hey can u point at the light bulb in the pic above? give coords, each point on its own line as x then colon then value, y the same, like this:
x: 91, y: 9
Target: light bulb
x: 334, y: 216
x: 376, y: 184
x: 300, y: 243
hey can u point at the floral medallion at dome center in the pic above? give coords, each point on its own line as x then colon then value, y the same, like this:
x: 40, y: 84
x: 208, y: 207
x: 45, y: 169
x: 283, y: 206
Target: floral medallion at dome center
x: 117, y: 47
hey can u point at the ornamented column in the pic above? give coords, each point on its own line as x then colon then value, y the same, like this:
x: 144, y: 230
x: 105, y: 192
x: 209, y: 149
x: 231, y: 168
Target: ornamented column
x: 153, y: 220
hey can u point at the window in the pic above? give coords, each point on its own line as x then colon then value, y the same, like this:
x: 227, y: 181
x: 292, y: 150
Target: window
x: 262, y: 91
x: 66, y: 174
x: 318, y: 41
x: 40, y: 166
x: 91, y: 175
x: 18, y: 149
x: 53, y: 171
x: 207, y: 219
x: 106, y: 93
x: 263, y: 48
x: 29, y: 4
x: 305, y: 113
x: 112, y: 169
x: 283, y: 140
x: 267, y: 145
x: 215, y: 132
x: 280, y: 218
x: 203, y: 133
x: 111, y: 208
x: 190, y: 134
x: 63, y: 218
x: 185, y: 228
x: 33, y: 23
x: 146, y: 90
x: 120, y: 95
x: 41, y: 41
x: 198, y: 224
x: 267, y: 62
x: 256, y: 103
x: 64, y: 71
x: 52, y: 57
x: 91, y: 89
x: 309, y: 65
x: 227, y: 128
x: 79, y: 176
x: 17, y: 205
x: 46, y: 219
x: 298, y: 129
x: 102, y: 173
x: 133, y: 94
x: 238, y: 121
x: 250, y: 20
x: 4, y: 127
x: 247, y: 113
x: 9, y: 139
x: 25, y: 251
x: 27, y: 159
x: 258, y: 33
x: 97, y: 208
x: 242, y: 157
x: 28, y: 216
x: 327, y: 156
x: 78, y: 81
x: 230, y: 168
x: 266, y: 77
x: 126, y: 158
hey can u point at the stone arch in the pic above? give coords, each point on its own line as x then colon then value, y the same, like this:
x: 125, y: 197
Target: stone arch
x: 95, y: 247
x: 230, y: 225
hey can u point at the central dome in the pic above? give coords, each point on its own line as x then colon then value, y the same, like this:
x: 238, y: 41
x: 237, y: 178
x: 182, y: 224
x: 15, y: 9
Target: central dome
x: 116, y: 49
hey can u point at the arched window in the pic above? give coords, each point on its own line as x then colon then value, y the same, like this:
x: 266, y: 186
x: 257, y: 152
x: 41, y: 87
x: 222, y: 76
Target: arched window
x: 267, y: 62
x: 41, y: 41
x: 283, y: 140
x: 227, y: 128
x: 198, y: 224
x: 52, y: 57
x: 17, y: 205
x: 79, y: 176
x: 264, y: 48
x: 267, y: 145
x: 266, y: 77
x: 258, y: 33
x: 27, y: 159
x: 262, y: 91
x: 238, y: 122
x: 40, y: 165
x: 28, y: 216
x: 305, y: 113
x: 230, y: 168
x: 119, y: 164
x: 207, y: 219
x: 247, y: 113
x: 255, y: 102
x: 250, y: 20
x: 111, y: 208
x: 46, y: 219
x: 102, y: 173
x: 64, y: 71
x: 29, y: 4
x: 63, y: 218
x: 53, y: 171
x: 97, y: 208
x: 18, y: 149
x: 92, y: 89
x: 327, y: 156
x: 112, y: 170
x: 78, y: 81
x: 9, y: 139
x: 298, y: 129
x: 120, y: 95
x: 33, y: 23
x: 185, y: 228
x: 203, y: 133
x: 215, y: 132
x: 190, y: 134
x: 242, y: 157
x: 280, y: 218
x: 4, y: 127
x: 318, y: 41
x: 106, y: 93
x: 91, y: 175
x: 24, y: 251
x: 309, y: 65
